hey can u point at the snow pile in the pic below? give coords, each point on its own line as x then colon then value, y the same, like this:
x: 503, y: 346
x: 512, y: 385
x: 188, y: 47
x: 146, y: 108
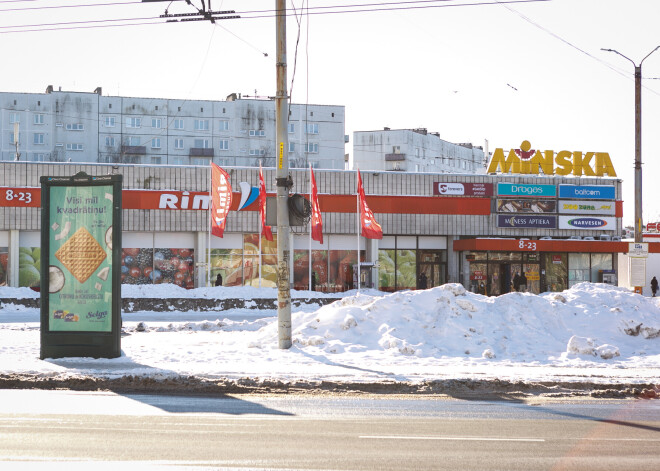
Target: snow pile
x: 590, y: 320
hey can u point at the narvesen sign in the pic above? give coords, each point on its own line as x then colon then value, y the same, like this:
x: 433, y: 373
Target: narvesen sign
x: 546, y: 222
x: 587, y: 222
x: 587, y: 207
x: 514, y: 189
x: 528, y: 161
x: 462, y: 189
x: 593, y: 192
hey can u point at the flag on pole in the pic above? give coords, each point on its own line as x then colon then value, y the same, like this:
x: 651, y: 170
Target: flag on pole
x: 370, y: 228
x: 265, y: 230
x: 316, y: 221
x: 220, y: 199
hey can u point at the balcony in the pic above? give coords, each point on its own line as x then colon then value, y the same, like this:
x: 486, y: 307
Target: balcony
x: 201, y: 152
x: 134, y: 150
x: 395, y: 157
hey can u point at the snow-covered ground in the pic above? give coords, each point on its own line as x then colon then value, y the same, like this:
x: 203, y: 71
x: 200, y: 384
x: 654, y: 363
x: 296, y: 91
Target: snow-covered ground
x: 592, y: 332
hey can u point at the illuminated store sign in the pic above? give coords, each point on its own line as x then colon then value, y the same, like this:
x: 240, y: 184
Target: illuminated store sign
x: 462, y: 189
x: 528, y: 161
x: 587, y: 222
x: 546, y: 222
x: 594, y: 192
x: 587, y: 207
x: 514, y: 189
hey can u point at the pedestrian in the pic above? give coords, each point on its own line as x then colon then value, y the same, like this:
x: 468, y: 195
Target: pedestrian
x: 218, y: 280
x: 422, y: 281
x: 654, y: 286
x: 516, y: 282
x: 313, y: 281
x: 523, y: 282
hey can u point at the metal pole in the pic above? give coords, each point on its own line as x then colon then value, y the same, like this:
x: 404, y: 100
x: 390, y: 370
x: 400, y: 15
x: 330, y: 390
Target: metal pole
x: 283, y: 229
x: 638, y: 153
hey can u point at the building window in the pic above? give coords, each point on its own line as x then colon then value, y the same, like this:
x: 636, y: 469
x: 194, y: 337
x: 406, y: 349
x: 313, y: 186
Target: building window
x: 292, y: 128
x: 12, y: 136
x: 201, y: 125
x: 202, y: 144
x: 38, y: 157
x: 109, y: 141
x: 155, y: 160
x: 178, y: 143
x: 14, y: 118
x: 292, y: 146
x: 38, y: 119
x: 223, y: 125
x: 133, y: 122
x: 177, y: 160
x: 224, y: 144
x: 74, y: 147
x: 178, y: 124
x: 257, y: 152
x: 155, y: 143
x: 312, y: 128
x: 199, y: 161
x: 156, y: 123
x: 132, y: 141
x: 312, y: 148
x: 257, y: 132
x: 38, y: 138
x: 110, y: 121
x: 75, y: 127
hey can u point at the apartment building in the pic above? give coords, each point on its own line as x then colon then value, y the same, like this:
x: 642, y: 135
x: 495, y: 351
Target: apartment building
x: 64, y: 126
x: 414, y: 150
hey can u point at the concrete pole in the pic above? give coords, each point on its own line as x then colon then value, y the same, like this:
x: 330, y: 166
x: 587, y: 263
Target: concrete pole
x: 638, y: 153
x: 282, y: 141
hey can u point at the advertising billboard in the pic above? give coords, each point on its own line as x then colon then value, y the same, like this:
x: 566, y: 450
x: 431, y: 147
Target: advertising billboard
x: 536, y: 221
x: 588, y: 222
x: 526, y: 206
x: 605, y: 208
x: 462, y: 189
x: 594, y: 192
x: 526, y: 190
x: 80, y: 251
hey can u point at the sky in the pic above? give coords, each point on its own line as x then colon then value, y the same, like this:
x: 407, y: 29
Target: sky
x: 472, y: 70
x: 592, y: 332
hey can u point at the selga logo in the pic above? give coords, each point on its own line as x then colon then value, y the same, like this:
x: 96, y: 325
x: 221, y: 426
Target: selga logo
x: 530, y: 161
x: 587, y: 222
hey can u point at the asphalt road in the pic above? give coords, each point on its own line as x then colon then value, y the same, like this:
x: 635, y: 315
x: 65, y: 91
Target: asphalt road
x: 69, y: 430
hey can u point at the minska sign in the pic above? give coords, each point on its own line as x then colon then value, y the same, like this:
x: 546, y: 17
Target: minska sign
x: 528, y: 161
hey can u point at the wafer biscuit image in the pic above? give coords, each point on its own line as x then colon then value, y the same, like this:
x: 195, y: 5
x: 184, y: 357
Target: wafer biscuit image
x: 81, y: 254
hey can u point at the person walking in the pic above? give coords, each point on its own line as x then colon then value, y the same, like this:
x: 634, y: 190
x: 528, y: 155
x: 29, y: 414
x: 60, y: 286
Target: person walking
x: 218, y: 280
x: 523, y: 283
x: 654, y: 286
x: 422, y: 282
x: 516, y: 282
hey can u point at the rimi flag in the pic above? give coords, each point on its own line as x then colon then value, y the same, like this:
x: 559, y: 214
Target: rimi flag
x: 220, y: 199
x: 316, y: 221
x: 370, y: 228
x: 265, y: 230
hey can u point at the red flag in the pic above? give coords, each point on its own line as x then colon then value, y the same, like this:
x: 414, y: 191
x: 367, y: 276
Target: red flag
x: 316, y: 222
x: 370, y: 228
x: 265, y: 230
x: 220, y: 199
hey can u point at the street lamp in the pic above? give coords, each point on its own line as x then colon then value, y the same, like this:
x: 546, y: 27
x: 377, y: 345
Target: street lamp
x: 638, y: 140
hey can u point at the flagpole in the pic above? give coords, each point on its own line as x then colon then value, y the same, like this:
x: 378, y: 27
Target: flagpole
x: 358, y: 231
x: 208, y: 246
x: 261, y: 226
x: 309, y: 274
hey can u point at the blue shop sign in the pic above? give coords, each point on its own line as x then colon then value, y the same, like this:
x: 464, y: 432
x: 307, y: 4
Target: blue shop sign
x: 515, y: 189
x: 592, y: 192
x: 536, y: 221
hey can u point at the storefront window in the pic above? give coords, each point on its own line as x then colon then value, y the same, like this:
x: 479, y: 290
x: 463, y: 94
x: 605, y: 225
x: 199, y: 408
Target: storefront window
x: 142, y: 266
x: 497, y: 277
x: 533, y: 274
x: 505, y: 256
x: 387, y: 270
x: 137, y: 266
x: 556, y: 271
x: 406, y: 269
x: 600, y: 261
x: 478, y: 277
x: 4, y: 257
x: 320, y: 269
x: 29, y: 266
x: 341, y: 270
x: 301, y: 269
x: 578, y: 268
x: 229, y: 264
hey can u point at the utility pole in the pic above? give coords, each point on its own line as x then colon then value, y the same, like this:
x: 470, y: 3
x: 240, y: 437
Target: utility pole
x: 283, y: 184
x: 638, y: 141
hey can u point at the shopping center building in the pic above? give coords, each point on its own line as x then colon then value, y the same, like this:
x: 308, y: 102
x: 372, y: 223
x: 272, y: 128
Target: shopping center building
x: 478, y: 230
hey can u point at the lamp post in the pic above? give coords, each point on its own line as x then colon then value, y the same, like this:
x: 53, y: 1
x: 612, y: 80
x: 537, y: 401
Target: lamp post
x: 638, y: 140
